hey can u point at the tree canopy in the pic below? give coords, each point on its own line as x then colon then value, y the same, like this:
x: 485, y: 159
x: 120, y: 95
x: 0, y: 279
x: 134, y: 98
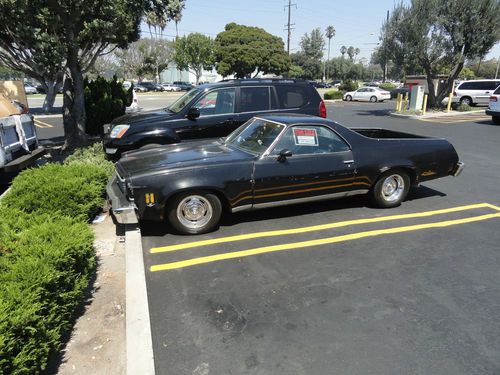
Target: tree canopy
x: 194, y: 52
x: 440, y: 35
x: 242, y: 50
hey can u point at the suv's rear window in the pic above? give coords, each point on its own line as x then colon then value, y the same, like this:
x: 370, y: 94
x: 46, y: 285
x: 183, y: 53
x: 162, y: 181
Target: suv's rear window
x: 291, y: 96
x: 255, y: 99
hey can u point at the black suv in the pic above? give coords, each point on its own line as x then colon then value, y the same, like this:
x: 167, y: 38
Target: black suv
x: 211, y: 111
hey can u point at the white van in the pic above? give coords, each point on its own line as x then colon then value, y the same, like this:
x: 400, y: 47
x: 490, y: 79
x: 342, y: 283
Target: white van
x: 475, y: 91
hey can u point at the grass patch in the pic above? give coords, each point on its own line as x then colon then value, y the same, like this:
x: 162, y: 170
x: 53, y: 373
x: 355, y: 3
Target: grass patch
x: 333, y: 94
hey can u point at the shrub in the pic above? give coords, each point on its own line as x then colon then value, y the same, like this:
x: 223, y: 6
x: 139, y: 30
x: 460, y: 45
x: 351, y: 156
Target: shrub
x: 74, y: 190
x: 348, y: 85
x: 463, y: 108
x: 387, y: 86
x: 104, y: 101
x: 92, y: 154
x: 46, y: 263
x: 333, y: 94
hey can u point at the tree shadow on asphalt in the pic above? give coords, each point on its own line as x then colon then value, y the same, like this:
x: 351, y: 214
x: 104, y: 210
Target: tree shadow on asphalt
x: 485, y: 122
x: 155, y: 229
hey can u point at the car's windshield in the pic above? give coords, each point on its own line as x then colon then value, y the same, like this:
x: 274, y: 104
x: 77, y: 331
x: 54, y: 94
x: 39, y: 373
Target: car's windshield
x: 180, y: 103
x: 256, y: 136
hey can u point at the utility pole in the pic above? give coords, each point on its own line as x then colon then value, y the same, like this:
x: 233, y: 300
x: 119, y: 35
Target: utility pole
x: 498, y: 66
x: 385, y: 54
x: 289, y: 25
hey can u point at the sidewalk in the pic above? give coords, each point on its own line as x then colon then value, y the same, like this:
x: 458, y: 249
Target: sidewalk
x: 430, y: 115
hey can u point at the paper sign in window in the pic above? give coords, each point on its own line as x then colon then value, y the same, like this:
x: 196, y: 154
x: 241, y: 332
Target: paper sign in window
x: 305, y: 137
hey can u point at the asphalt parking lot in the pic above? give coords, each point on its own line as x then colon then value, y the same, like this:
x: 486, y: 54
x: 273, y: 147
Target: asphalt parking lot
x: 339, y: 287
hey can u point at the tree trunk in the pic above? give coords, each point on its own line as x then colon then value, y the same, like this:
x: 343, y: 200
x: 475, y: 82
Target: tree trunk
x: 74, y: 104
x: 51, y: 89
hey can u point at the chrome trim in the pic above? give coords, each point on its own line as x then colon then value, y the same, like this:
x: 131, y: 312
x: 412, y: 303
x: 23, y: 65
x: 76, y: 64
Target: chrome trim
x: 348, y: 161
x: 300, y: 200
x: 241, y: 208
x: 125, y: 215
x: 458, y: 169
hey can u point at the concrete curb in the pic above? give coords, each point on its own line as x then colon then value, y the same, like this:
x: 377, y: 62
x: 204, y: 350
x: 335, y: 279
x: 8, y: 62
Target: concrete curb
x: 140, y: 358
x: 4, y: 193
x: 332, y: 100
x: 434, y: 115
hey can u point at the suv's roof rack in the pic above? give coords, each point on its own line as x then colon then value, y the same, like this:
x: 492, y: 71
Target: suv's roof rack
x: 262, y: 80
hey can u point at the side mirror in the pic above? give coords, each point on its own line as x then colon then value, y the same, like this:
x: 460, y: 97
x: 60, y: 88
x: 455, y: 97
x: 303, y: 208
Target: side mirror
x: 286, y: 153
x: 193, y: 113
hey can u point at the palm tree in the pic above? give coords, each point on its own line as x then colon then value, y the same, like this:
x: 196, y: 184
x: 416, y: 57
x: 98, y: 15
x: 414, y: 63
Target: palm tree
x: 343, y: 50
x: 356, y: 51
x: 350, y: 52
x: 330, y: 33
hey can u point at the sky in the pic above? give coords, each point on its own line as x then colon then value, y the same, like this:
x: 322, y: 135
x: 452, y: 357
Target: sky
x: 357, y: 22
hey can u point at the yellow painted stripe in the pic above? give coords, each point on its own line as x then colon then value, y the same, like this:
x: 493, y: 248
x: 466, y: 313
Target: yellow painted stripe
x: 324, y: 241
x: 42, y: 124
x: 340, y: 224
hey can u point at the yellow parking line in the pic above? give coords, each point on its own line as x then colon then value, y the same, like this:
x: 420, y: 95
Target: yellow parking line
x: 340, y: 224
x: 42, y: 124
x: 324, y: 241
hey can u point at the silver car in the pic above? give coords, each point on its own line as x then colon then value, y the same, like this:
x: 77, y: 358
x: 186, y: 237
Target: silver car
x: 494, y: 107
x: 475, y: 91
x: 369, y: 94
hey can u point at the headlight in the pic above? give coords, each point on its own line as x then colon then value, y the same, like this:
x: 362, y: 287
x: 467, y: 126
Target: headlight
x: 118, y: 131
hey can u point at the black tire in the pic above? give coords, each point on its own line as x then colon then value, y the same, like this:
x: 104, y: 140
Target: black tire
x: 465, y: 100
x: 373, y: 99
x: 178, y: 214
x: 390, y: 189
x: 348, y: 98
x: 495, y: 119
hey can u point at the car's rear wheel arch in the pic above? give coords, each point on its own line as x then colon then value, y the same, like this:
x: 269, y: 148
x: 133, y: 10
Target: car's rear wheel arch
x: 401, y: 177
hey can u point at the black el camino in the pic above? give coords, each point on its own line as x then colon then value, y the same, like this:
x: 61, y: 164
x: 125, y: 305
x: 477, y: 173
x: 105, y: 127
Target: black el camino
x: 269, y: 161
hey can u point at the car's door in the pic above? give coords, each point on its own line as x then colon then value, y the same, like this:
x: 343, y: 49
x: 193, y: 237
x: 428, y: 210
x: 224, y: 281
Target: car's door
x: 359, y: 94
x: 217, y: 115
x: 321, y: 166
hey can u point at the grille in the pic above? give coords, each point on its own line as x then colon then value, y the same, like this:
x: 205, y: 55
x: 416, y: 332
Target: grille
x: 29, y: 129
x: 10, y: 136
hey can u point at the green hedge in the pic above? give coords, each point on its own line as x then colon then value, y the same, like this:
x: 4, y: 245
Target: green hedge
x: 46, y: 263
x: 387, y: 86
x: 348, y: 85
x: 46, y: 256
x: 93, y: 155
x: 74, y: 190
x: 333, y: 94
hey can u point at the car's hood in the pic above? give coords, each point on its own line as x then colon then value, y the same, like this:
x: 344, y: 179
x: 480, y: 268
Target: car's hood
x: 196, y: 154
x: 143, y: 117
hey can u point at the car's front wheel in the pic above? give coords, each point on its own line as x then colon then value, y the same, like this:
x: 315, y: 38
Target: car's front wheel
x: 391, y: 189
x: 348, y: 98
x: 194, y: 212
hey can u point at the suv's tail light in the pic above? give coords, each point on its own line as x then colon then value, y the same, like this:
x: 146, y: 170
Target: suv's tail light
x: 493, y: 99
x: 322, y: 109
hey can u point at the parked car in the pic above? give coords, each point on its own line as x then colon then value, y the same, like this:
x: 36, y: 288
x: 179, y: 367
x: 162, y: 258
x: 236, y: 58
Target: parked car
x: 152, y: 86
x: 494, y: 107
x: 140, y: 88
x: 475, y: 92
x: 372, y: 84
x: 371, y: 94
x: 184, y: 86
x: 41, y: 90
x: 212, y: 110
x: 400, y: 90
x: 29, y: 89
x: 170, y: 87
x: 273, y: 160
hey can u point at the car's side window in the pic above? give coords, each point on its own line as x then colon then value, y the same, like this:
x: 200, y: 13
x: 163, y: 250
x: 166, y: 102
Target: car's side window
x: 308, y: 139
x: 255, y: 99
x: 291, y: 96
x: 216, y: 102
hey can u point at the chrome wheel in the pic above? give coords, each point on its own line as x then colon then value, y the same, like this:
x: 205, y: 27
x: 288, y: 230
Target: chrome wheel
x: 393, y: 188
x: 194, y: 211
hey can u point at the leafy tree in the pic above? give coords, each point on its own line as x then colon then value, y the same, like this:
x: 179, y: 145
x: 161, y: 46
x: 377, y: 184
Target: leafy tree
x: 486, y: 69
x: 79, y: 31
x: 242, y: 50
x: 29, y: 45
x: 296, y: 71
x: 313, y: 44
x: 311, y: 68
x: 440, y: 35
x: 329, y: 33
x: 194, y: 52
x: 467, y: 73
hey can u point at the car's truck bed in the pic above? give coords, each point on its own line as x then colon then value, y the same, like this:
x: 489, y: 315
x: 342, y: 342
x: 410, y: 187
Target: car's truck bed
x: 378, y: 133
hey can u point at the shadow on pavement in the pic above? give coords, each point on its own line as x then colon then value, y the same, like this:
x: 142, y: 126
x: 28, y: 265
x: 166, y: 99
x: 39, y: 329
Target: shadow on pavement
x: 156, y: 229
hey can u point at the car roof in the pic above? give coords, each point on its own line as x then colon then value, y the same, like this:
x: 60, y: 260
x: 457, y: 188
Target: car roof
x: 294, y: 118
x: 252, y: 82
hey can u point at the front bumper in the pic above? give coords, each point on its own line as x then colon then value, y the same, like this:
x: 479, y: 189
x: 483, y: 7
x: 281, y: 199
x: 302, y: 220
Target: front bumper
x: 123, y: 210
x: 457, y: 169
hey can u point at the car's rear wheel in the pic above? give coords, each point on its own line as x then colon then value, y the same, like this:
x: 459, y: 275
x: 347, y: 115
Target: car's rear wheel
x: 496, y: 120
x: 194, y: 212
x: 391, y: 189
x: 373, y: 99
x: 466, y: 100
x: 348, y: 98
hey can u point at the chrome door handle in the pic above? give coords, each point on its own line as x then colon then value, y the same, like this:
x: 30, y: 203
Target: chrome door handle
x: 348, y: 161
